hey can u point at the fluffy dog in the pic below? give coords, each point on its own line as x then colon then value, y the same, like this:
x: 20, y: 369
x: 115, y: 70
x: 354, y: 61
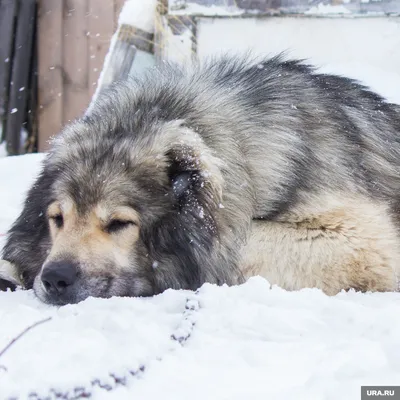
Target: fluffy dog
x: 214, y: 174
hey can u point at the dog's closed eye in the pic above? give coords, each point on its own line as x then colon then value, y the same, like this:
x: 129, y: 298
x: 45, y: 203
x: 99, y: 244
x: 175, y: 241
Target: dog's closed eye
x: 117, y: 225
x: 58, y: 220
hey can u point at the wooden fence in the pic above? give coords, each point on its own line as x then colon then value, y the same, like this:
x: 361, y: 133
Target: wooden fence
x: 64, y: 43
x: 18, y: 91
x: 73, y: 37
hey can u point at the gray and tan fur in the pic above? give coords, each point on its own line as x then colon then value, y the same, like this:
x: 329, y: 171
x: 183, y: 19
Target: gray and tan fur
x: 232, y: 169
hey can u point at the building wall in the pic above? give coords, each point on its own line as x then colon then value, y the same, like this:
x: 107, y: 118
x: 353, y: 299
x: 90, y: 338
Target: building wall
x: 361, y: 48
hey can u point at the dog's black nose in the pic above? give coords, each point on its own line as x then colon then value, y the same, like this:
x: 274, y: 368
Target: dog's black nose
x: 59, y: 276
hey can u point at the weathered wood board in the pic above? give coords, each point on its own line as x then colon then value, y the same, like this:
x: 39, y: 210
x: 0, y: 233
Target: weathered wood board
x: 229, y: 8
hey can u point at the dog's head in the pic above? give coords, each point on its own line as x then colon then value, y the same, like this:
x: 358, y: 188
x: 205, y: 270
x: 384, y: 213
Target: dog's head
x: 128, y: 215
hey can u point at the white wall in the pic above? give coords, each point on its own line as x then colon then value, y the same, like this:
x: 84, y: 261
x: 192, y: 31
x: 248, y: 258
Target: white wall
x: 367, y: 49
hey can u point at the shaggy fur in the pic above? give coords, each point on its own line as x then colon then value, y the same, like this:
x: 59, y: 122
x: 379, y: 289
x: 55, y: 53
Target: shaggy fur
x: 232, y: 169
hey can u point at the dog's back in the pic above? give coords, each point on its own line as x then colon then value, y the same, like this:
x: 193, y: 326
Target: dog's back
x: 298, y: 131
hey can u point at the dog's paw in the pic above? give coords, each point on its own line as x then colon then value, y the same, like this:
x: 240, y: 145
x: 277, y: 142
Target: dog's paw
x: 8, y: 276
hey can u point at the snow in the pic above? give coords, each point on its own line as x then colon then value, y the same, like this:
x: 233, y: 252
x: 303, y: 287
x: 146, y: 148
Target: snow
x: 3, y: 148
x: 16, y: 176
x: 84, y: 342
x: 248, y: 341
x: 139, y: 14
x: 209, y: 10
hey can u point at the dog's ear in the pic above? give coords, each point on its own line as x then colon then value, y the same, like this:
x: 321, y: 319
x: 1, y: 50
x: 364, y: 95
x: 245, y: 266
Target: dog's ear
x: 192, y: 167
x: 188, y: 234
x: 183, y: 173
x: 181, y: 183
x: 186, y: 238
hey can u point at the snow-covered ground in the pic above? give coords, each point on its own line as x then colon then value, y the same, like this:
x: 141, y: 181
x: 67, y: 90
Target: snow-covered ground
x: 246, y: 342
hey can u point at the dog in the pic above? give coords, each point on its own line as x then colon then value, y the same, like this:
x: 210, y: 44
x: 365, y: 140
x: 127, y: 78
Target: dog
x: 231, y: 168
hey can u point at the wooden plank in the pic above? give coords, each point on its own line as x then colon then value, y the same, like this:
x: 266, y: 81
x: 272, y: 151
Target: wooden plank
x: 128, y: 41
x: 20, y: 75
x: 101, y: 27
x: 250, y: 8
x: 75, y: 59
x: 160, y: 26
x: 8, y: 9
x: 32, y: 123
x: 175, y: 38
x: 50, y: 36
x: 121, y: 58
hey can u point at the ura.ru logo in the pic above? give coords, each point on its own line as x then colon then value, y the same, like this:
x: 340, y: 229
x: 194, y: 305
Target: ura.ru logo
x: 380, y: 392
